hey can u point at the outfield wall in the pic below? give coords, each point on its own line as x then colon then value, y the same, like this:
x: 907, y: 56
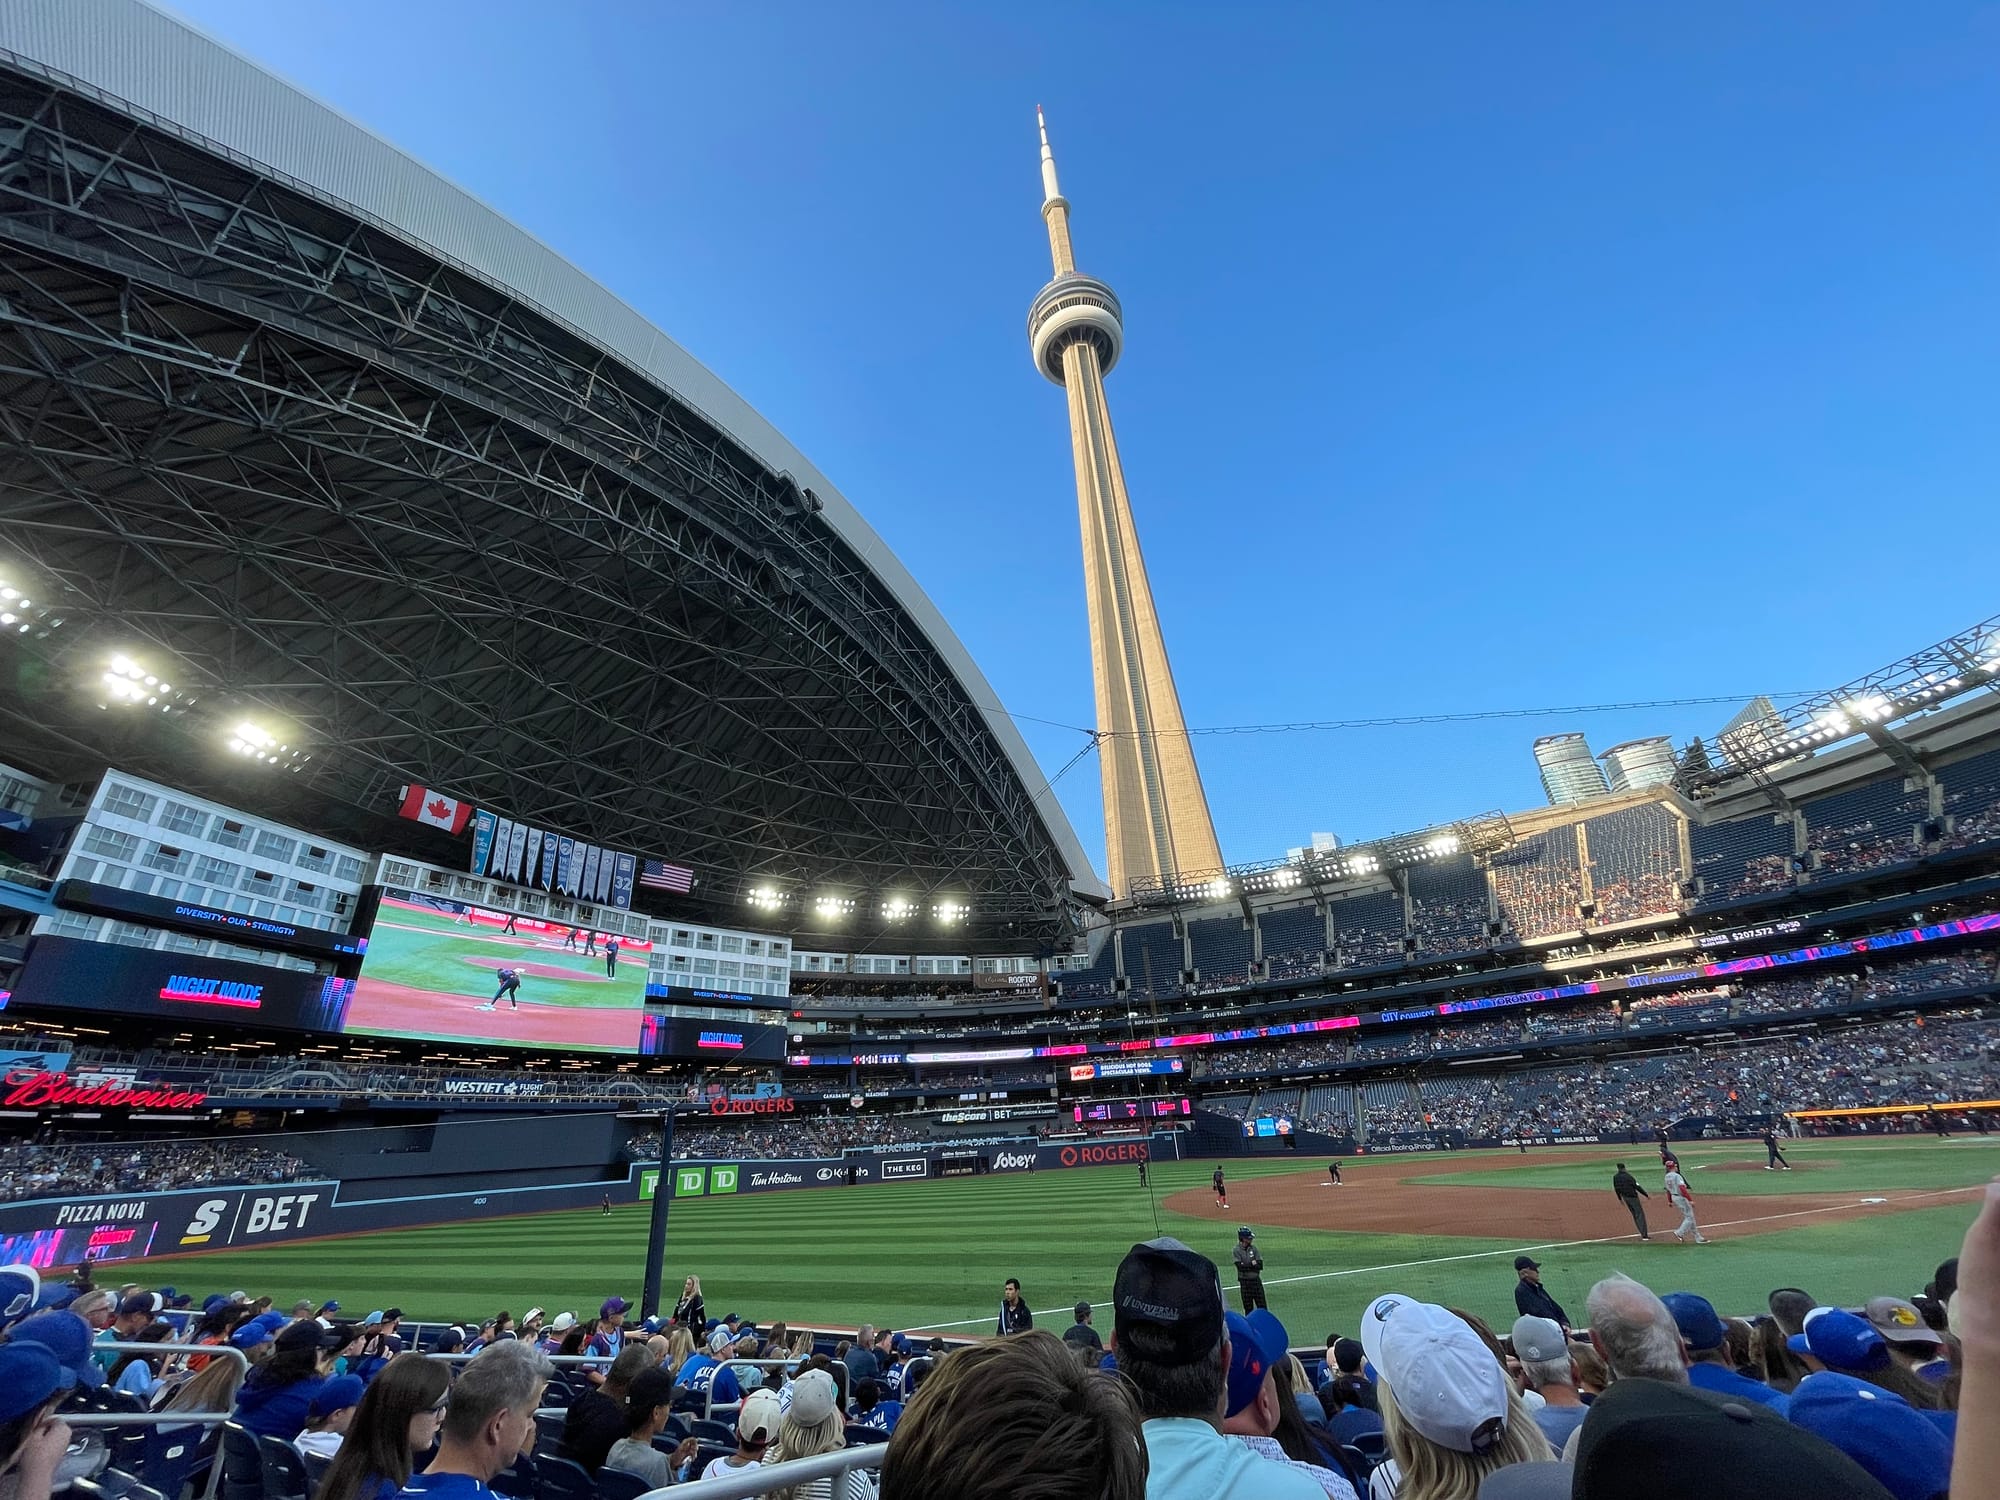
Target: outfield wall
x: 113, y: 1228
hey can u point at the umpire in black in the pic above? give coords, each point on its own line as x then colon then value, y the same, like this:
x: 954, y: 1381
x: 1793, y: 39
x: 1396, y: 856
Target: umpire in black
x: 1626, y: 1186
x: 1250, y: 1270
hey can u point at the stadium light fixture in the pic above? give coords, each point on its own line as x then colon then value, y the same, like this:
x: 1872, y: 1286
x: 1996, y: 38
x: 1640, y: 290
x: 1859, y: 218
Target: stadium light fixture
x: 898, y: 909
x: 254, y: 742
x: 20, y: 614
x: 832, y: 908
x: 1218, y: 889
x: 767, y: 898
x: 951, y: 912
x: 125, y: 683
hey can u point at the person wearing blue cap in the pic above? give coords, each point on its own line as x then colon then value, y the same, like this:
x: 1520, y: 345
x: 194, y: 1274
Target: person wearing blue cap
x: 1257, y: 1346
x: 67, y: 1337
x: 20, y: 1291
x: 1835, y: 1339
x: 329, y: 1415
x: 33, y: 1439
x: 1879, y: 1430
x: 1709, y: 1368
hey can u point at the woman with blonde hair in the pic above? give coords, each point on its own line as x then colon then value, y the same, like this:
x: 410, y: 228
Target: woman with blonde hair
x: 812, y: 1425
x: 1449, y: 1412
x: 691, y: 1312
x: 680, y: 1344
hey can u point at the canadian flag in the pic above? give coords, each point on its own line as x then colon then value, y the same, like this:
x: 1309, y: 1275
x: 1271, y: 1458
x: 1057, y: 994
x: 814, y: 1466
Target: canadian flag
x: 427, y: 806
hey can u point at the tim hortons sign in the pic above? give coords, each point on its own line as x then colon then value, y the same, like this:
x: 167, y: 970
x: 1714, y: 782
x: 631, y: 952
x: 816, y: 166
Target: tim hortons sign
x: 28, y: 1088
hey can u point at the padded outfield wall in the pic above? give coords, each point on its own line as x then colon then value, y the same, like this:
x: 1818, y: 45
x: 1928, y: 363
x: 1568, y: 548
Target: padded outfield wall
x: 123, y: 1227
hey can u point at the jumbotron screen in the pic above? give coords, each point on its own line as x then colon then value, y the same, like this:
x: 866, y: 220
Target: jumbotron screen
x: 447, y: 971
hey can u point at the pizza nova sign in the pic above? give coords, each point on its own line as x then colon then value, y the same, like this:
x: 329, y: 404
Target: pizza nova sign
x: 33, y: 1088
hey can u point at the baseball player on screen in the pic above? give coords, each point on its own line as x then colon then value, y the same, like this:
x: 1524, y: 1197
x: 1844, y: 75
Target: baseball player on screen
x: 1682, y: 1199
x: 510, y: 986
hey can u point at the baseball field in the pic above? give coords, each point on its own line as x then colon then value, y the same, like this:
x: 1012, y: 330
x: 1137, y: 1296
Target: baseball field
x: 1855, y: 1218
x: 429, y: 969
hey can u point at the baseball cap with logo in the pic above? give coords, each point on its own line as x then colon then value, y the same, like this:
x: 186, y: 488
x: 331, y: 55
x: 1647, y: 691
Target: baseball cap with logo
x: 564, y: 1322
x: 137, y: 1302
x: 1879, y: 1430
x: 68, y: 1338
x: 814, y: 1398
x: 1256, y: 1343
x: 613, y: 1306
x: 719, y: 1340
x: 1840, y: 1340
x: 1167, y: 1302
x: 758, y: 1421
x: 1898, y: 1321
x: 1539, y: 1339
x: 1637, y: 1443
x: 1696, y: 1319
x: 20, y: 1289
x: 1446, y: 1383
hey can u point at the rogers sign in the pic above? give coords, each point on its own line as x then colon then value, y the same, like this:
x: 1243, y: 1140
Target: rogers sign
x: 28, y: 1088
x: 779, y: 1106
x: 1091, y: 1156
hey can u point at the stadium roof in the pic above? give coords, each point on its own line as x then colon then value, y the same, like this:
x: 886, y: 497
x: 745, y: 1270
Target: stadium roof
x: 285, y: 414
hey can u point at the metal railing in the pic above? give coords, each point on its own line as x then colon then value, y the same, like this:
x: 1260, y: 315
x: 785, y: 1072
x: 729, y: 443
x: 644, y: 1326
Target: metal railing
x: 842, y: 1468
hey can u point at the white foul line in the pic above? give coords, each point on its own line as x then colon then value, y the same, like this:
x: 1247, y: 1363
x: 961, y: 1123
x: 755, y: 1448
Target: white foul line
x: 1609, y: 1239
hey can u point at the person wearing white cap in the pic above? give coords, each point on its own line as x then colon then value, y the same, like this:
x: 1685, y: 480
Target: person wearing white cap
x: 1450, y: 1413
x: 757, y: 1426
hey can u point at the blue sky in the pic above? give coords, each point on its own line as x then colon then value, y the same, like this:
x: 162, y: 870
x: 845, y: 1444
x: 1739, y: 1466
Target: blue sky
x: 1478, y: 356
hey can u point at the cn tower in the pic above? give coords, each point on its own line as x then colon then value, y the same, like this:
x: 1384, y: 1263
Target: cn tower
x: 1156, y: 821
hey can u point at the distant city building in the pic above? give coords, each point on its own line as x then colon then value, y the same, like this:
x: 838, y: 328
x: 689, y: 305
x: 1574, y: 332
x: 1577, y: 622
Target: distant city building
x: 1570, y: 773
x: 1640, y: 763
x: 1752, y: 733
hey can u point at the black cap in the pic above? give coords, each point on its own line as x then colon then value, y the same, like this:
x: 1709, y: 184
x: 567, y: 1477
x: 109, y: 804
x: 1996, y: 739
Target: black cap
x: 1526, y: 1263
x: 1637, y: 1441
x: 310, y: 1335
x: 1082, y: 1311
x: 1167, y: 1302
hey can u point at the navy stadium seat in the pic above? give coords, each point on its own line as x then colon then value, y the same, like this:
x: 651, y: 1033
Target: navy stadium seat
x: 621, y: 1484
x: 284, y: 1470
x: 563, y: 1479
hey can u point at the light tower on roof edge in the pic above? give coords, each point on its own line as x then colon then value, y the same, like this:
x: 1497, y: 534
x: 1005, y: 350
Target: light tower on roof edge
x: 1156, y: 819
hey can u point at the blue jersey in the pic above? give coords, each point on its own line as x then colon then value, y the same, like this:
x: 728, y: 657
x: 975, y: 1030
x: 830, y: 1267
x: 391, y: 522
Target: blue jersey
x: 882, y: 1416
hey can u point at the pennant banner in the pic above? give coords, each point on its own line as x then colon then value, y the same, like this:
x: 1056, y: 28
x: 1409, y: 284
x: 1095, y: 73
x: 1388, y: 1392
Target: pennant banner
x: 483, y: 825
x: 503, y: 841
x: 510, y: 867
x: 604, y: 875
x: 625, y: 866
x: 568, y: 851
x: 549, y: 848
x: 590, y: 872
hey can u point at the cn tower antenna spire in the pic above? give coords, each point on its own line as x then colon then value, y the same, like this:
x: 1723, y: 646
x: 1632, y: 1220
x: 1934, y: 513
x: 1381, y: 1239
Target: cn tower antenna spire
x: 1157, y: 828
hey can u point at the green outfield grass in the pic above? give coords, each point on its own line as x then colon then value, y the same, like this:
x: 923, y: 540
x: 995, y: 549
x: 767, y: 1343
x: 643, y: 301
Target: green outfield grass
x: 1819, y: 1166
x: 427, y: 950
x: 933, y: 1254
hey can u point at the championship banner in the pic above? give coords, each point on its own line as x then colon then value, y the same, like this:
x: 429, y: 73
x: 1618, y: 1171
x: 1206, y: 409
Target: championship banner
x: 503, y: 840
x: 624, y: 868
x: 484, y: 825
x: 510, y: 866
x: 568, y: 852
x: 549, y: 848
x: 590, y: 863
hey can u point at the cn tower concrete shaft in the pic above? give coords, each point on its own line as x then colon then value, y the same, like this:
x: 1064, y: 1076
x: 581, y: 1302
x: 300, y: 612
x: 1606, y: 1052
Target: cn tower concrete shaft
x: 1156, y: 819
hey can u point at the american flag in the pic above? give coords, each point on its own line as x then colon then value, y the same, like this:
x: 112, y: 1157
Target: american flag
x: 662, y: 876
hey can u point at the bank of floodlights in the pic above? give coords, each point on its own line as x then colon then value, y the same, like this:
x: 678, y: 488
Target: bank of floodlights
x: 898, y: 909
x: 20, y: 614
x: 951, y: 913
x: 767, y: 898
x: 831, y: 908
x: 126, y: 683
x: 1922, y: 681
x: 253, y: 741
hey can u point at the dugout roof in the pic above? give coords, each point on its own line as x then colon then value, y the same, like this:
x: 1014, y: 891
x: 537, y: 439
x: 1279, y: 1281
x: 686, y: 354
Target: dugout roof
x: 348, y: 449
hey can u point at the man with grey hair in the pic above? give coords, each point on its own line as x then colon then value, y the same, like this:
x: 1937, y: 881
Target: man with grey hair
x: 1634, y: 1332
x: 1546, y: 1366
x: 489, y: 1423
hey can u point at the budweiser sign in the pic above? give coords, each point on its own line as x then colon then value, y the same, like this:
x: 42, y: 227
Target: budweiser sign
x: 778, y: 1106
x: 31, y: 1088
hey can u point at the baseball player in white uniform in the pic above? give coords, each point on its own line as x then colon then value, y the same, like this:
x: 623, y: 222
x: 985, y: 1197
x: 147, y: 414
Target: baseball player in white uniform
x: 1679, y: 1196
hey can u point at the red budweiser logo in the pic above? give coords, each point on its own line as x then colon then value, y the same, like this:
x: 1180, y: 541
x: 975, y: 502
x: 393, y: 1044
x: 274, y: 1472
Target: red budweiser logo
x: 28, y: 1088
